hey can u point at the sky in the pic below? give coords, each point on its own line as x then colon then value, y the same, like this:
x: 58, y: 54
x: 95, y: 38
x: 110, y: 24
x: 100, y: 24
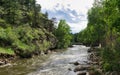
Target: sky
x: 73, y: 11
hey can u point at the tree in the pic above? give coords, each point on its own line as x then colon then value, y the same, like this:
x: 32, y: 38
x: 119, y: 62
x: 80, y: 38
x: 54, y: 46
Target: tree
x: 104, y: 27
x: 63, y: 34
x: 22, y: 28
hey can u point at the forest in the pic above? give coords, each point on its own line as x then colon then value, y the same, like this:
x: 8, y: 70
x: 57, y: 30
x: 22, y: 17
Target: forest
x: 104, y: 30
x: 25, y: 31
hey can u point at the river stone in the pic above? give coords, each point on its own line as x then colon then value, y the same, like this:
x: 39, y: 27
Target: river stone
x: 82, y: 73
x: 82, y: 68
x: 89, y: 51
x: 2, y: 63
x: 69, y: 69
x: 75, y: 63
x: 79, y: 68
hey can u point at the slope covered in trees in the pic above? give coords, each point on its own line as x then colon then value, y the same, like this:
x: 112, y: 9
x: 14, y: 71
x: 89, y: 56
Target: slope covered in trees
x: 104, y: 28
x: 24, y: 30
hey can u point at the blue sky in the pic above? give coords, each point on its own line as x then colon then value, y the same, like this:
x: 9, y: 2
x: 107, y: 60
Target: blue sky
x: 73, y: 11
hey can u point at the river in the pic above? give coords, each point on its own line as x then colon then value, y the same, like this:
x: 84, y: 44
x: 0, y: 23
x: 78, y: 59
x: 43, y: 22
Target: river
x: 57, y: 63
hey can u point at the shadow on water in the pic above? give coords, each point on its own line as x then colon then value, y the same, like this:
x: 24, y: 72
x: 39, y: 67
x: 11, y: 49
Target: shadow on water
x: 52, y: 64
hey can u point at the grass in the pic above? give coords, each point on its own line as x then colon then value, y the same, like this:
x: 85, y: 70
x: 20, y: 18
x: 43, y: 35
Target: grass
x: 6, y: 51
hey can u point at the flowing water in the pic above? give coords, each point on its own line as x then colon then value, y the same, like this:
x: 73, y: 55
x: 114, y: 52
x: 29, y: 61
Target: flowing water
x: 52, y: 64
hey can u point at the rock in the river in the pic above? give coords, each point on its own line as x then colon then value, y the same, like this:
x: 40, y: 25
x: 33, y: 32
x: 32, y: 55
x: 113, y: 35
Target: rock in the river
x: 69, y: 69
x: 82, y: 68
x: 75, y: 63
x: 82, y: 73
x: 79, y: 68
x: 2, y: 63
x: 89, y: 51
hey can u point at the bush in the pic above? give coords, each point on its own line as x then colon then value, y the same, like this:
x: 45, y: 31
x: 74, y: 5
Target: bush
x: 107, y: 67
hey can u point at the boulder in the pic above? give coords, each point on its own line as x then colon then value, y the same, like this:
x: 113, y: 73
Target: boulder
x: 2, y: 63
x: 89, y: 51
x: 82, y: 73
x: 75, y: 63
x: 69, y: 69
x: 80, y: 68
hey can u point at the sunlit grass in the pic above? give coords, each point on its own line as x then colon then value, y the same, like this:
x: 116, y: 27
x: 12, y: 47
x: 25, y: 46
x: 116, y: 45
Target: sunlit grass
x: 6, y: 51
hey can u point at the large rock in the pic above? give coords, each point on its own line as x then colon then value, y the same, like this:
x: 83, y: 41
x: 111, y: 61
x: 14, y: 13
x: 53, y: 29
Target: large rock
x: 75, y: 63
x: 69, y: 69
x: 2, y: 63
x: 81, y: 68
x: 82, y: 73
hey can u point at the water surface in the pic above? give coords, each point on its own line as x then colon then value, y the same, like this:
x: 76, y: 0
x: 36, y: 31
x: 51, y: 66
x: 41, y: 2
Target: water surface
x: 51, y: 64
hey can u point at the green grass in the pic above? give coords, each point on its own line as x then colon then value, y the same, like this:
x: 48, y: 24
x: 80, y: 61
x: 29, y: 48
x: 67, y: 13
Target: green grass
x: 6, y: 51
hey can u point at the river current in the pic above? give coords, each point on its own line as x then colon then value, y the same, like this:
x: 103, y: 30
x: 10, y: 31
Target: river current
x: 57, y: 63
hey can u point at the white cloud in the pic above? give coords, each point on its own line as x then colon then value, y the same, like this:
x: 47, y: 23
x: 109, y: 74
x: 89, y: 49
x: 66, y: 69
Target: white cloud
x: 73, y: 16
x: 73, y: 19
x: 77, y: 27
x: 78, y: 5
x: 80, y: 8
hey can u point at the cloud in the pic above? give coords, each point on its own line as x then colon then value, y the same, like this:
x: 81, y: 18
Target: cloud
x: 78, y: 5
x: 77, y: 27
x: 73, y: 11
x: 67, y: 14
x: 72, y: 15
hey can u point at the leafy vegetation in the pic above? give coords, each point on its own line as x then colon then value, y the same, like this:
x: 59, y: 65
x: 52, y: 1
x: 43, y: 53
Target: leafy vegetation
x: 6, y: 51
x: 63, y: 35
x: 24, y: 30
x: 104, y: 28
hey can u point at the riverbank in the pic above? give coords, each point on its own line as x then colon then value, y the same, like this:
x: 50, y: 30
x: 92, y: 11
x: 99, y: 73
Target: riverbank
x: 7, y: 59
x: 97, y: 62
x: 90, y: 67
x: 76, y: 60
x: 21, y: 66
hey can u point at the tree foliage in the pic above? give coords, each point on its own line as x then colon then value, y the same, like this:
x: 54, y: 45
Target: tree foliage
x: 104, y: 28
x: 63, y: 34
x: 24, y: 30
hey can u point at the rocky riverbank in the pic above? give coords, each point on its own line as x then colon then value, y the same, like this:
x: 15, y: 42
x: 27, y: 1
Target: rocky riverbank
x: 6, y: 59
x: 96, y: 62
x: 91, y: 67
